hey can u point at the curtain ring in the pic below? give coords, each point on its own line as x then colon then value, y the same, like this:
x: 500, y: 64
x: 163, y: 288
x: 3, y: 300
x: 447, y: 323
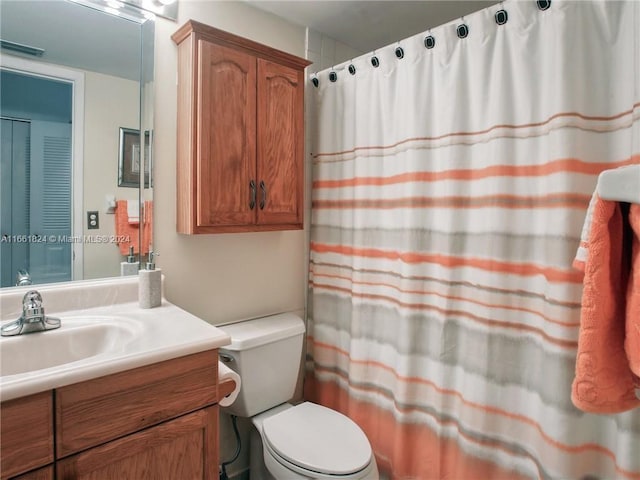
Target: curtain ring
x: 501, y: 16
x: 315, y: 80
x: 429, y: 42
x: 352, y: 69
x: 333, y: 76
x: 374, y: 61
x: 462, y: 30
x: 399, y: 53
x: 544, y: 4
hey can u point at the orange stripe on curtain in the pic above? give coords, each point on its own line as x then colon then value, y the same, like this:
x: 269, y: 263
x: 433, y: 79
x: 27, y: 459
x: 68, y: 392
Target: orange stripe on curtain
x: 572, y: 165
x: 564, y: 200
x: 552, y: 274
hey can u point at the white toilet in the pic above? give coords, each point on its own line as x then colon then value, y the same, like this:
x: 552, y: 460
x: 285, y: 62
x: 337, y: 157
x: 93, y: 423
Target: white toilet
x: 290, y: 442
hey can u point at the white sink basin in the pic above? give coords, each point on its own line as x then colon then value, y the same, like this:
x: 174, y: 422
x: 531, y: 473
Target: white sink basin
x: 94, y: 341
x: 77, y: 339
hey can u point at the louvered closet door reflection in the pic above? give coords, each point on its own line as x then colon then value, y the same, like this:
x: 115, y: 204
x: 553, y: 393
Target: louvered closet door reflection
x: 14, y: 202
x: 50, y: 202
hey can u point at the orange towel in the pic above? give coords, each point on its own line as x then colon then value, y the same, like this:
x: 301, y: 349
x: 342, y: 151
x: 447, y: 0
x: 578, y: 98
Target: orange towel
x: 604, y: 381
x: 124, y: 229
x: 147, y: 228
x: 632, y: 330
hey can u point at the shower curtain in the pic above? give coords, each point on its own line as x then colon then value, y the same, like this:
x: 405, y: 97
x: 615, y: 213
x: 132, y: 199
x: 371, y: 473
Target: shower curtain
x: 449, y: 191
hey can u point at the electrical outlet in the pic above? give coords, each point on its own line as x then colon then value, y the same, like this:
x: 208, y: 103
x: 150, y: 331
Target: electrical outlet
x: 93, y: 220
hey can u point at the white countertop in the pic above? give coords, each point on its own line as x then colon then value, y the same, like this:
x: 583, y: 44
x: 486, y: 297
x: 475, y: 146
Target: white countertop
x: 147, y: 336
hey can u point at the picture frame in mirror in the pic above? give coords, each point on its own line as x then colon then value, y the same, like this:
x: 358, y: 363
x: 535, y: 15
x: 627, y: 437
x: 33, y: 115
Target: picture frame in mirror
x: 129, y: 158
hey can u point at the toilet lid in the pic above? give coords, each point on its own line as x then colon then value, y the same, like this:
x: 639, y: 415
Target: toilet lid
x: 319, y: 439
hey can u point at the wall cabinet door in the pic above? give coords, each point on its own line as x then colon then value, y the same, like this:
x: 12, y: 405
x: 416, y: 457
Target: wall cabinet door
x: 280, y: 144
x: 226, y: 136
x: 182, y: 448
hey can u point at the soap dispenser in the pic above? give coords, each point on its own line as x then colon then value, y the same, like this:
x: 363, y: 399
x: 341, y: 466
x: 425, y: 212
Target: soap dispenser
x: 150, y: 284
x: 130, y: 267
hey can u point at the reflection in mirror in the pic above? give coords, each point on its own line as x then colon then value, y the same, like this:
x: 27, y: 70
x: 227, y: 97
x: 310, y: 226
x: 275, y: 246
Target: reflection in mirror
x: 146, y: 128
x: 72, y: 78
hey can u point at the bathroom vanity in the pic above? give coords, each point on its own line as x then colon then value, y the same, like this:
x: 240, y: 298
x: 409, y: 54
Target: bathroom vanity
x: 143, y: 407
x: 159, y: 421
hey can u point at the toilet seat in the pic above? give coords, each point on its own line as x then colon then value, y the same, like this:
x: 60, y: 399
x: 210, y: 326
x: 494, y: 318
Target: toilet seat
x: 317, y: 440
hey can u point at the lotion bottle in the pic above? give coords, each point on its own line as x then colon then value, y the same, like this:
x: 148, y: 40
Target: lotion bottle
x: 150, y: 284
x: 130, y: 267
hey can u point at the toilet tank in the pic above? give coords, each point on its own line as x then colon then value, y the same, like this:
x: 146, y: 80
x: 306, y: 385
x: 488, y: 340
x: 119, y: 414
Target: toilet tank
x: 266, y: 353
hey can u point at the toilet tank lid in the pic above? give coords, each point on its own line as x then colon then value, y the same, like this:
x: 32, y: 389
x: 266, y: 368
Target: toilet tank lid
x: 263, y: 330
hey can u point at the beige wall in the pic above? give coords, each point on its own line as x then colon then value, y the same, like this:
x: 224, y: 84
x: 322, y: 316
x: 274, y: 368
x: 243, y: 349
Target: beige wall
x: 225, y: 277
x: 326, y: 52
x: 110, y: 103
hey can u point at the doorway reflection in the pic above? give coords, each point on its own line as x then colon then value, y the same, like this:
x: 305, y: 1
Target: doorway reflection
x: 36, y: 175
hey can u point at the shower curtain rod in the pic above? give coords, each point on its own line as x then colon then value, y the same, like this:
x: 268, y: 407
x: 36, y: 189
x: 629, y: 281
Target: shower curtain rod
x: 501, y: 17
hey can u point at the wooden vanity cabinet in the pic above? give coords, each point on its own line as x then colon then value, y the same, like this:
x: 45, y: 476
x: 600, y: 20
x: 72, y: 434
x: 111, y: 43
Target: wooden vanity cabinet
x: 240, y: 134
x: 156, y: 421
x: 44, y: 473
x: 26, y: 434
x: 182, y: 448
x: 96, y: 411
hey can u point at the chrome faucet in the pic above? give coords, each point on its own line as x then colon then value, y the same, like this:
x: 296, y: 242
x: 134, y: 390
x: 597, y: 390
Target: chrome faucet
x: 23, y: 278
x: 32, y: 319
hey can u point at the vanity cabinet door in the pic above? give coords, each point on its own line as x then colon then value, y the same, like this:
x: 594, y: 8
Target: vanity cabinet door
x: 26, y: 434
x: 96, y: 411
x: 45, y: 473
x: 184, y: 448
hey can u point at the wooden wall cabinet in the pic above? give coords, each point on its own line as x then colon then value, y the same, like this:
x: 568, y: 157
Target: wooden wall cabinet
x: 240, y: 134
x: 157, y: 421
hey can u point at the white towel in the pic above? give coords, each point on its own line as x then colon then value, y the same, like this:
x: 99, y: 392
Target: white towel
x: 583, y: 249
x: 616, y: 184
x: 133, y: 211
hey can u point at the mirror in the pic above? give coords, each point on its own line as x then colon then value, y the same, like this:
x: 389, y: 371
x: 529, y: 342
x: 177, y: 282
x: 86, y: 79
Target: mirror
x: 74, y: 77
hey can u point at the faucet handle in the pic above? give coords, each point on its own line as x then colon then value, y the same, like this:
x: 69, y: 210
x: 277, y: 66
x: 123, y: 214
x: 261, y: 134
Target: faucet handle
x: 32, y: 299
x: 32, y: 309
x: 33, y: 318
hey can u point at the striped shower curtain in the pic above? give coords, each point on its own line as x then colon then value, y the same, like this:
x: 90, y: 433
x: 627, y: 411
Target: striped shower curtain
x: 449, y: 191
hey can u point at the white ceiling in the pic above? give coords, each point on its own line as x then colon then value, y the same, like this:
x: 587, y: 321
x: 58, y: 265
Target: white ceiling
x: 78, y: 36
x: 368, y: 25
x: 74, y: 35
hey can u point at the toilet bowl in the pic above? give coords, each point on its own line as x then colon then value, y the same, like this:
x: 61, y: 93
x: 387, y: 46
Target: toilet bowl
x: 311, y: 441
x: 289, y: 442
